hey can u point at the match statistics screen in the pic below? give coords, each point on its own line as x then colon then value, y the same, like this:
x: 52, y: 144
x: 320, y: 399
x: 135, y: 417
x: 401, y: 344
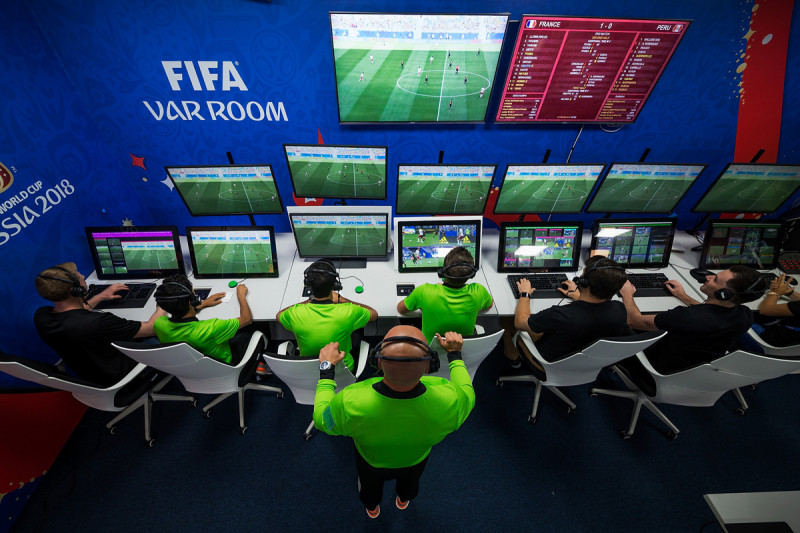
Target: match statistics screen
x: 568, y: 69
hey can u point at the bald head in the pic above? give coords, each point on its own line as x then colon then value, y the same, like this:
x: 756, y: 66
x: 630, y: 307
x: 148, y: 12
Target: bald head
x: 402, y: 375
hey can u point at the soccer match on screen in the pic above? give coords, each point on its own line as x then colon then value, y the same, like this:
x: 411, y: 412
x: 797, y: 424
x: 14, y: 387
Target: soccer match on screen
x: 227, y: 190
x: 137, y: 255
x: 415, y: 67
x: 751, y: 189
x: 337, y: 171
x: 225, y: 252
x: 443, y: 190
x: 546, y: 189
x: 427, y: 245
x: 644, y: 188
x: 340, y: 235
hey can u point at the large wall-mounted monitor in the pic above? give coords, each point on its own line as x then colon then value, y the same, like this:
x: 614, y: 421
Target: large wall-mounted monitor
x: 135, y: 253
x: 585, y: 69
x: 642, y: 243
x: 741, y: 242
x: 329, y: 171
x: 443, y: 189
x: 750, y: 188
x: 546, y: 188
x: 415, y: 67
x: 643, y: 187
x: 227, y: 190
x: 539, y: 246
x: 424, y: 242
x: 232, y: 251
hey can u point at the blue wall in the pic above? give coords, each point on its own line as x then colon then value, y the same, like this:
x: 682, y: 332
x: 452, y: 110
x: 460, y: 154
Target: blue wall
x: 77, y: 74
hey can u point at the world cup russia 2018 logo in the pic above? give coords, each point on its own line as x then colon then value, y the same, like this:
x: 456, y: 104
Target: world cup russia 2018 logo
x: 6, y: 178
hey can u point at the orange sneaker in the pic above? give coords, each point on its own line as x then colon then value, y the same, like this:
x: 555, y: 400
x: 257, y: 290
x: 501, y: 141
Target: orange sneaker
x: 400, y: 503
x: 375, y: 513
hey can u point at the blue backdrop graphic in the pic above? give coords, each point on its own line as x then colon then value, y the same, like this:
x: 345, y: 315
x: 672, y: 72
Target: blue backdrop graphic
x: 76, y: 76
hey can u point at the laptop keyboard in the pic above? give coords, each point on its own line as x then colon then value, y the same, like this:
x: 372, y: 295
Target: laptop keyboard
x: 136, y: 296
x: 546, y: 285
x: 649, y: 284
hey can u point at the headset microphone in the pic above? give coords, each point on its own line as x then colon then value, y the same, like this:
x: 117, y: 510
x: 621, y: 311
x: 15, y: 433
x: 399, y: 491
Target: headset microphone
x: 431, y: 356
x: 442, y: 272
x: 330, y: 271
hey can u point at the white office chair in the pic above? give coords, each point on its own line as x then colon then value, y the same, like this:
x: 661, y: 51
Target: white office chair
x: 777, y: 351
x: 139, y: 388
x: 201, y: 374
x: 302, y: 375
x: 476, y: 349
x: 700, y: 386
x: 579, y: 368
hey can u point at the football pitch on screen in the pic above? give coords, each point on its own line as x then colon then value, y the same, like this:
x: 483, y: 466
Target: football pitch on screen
x: 543, y: 196
x: 229, y: 196
x: 432, y: 239
x: 142, y: 259
x: 744, y: 194
x: 442, y: 195
x: 244, y: 258
x: 344, y: 242
x: 391, y: 93
x: 339, y: 180
x: 655, y: 196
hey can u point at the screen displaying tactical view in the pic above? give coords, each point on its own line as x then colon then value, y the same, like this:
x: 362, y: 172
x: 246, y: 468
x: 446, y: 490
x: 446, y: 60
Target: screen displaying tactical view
x: 415, y: 67
x: 134, y: 253
x: 740, y: 243
x: 339, y: 235
x: 443, y: 189
x: 546, y: 188
x: 425, y: 244
x: 326, y: 171
x: 227, y: 190
x: 643, y: 188
x: 224, y: 252
x: 750, y: 188
x: 632, y: 243
x: 545, y: 246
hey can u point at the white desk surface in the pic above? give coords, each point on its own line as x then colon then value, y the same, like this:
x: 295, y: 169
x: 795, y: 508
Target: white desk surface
x: 756, y: 507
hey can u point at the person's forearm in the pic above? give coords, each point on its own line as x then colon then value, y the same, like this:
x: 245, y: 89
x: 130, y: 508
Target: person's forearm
x: 635, y: 319
x: 326, y: 390
x: 522, y: 313
x: 245, y: 315
x: 686, y: 299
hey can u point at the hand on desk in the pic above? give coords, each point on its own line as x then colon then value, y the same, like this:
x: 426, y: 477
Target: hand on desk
x: 524, y: 285
x: 241, y: 291
x: 675, y: 288
x: 111, y: 292
x: 211, y: 301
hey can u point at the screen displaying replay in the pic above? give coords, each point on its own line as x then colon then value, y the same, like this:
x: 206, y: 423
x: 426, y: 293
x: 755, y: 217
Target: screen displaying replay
x: 135, y: 252
x: 750, y: 188
x: 424, y: 244
x: 634, y: 243
x: 221, y: 252
x: 741, y: 243
x: 327, y: 171
x: 443, y: 189
x: 339, y: 235
x: 546, y: 188
x: 540, y: 246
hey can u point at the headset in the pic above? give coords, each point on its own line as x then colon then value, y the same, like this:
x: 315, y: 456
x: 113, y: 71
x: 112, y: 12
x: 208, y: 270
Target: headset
x: 442, y: 272
x: 725, y: 294
x: 432, y: 356
x: 76, y: 290
x: 194, y: 300
x: 583, y: 281
x: 331, y: 271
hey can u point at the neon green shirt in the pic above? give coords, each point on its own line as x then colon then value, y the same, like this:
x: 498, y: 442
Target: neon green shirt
x: 448, y: 309
x: 395, y: 432
x: 315, y: 325
x: 209, y: 337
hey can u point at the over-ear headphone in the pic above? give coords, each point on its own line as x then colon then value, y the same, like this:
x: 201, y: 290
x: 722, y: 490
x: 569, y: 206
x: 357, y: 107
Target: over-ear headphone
x: 583, y: 281
x: 442, y: 272
x: 725, y: 294
x: 76, y: 290
x: 432, y: 356
x: 331, y: 271
x: 194, y: 300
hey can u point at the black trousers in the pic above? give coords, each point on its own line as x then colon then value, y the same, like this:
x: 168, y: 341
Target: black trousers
x: 371, y: 481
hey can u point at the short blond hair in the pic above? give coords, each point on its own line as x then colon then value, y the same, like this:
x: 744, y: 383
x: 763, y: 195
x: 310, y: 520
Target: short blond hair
x: 54, y: 284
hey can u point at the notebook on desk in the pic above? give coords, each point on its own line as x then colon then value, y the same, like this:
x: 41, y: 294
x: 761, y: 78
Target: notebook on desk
x: 637, y: 245
x: 541, y: 252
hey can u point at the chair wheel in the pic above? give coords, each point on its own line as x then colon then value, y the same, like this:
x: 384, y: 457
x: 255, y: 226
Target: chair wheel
x: 280, y: 395
x: 625, y: 435
x: 112, y: 430
x: 531, y: 419
x: 754, y: 386
x: 570, y: 410
x: 194, y: 403
x: 207, y: 414
x: 151, y: 443
x: 307, y: 436
x: 242, y: 430
x: 671, y: 435
x: 592, y: 394
x: 740, y: 411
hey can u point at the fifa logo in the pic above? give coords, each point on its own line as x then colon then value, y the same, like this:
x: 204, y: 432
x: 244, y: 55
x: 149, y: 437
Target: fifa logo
x: 6, y: 177
x: 210, y: 72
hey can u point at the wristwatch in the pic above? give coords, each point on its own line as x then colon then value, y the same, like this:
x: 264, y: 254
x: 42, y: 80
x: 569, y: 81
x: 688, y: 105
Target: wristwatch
x: 325, y: 365
x: 524, y: 295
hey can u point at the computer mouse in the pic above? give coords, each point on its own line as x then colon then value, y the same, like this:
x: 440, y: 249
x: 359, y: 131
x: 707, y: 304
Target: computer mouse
x: 232, y: 283
x: 359, y: 289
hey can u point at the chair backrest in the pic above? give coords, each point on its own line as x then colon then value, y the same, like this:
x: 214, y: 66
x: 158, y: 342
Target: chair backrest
x: 197, y: 373
x: 302, y: 375
x: 475, y: 350
x: 780, y: 351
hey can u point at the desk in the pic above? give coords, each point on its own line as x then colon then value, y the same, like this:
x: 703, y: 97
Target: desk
x: 764, y: 512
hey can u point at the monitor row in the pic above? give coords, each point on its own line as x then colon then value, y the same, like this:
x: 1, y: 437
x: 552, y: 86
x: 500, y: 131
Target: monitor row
x: 360, y: 172
x: 421, y: 244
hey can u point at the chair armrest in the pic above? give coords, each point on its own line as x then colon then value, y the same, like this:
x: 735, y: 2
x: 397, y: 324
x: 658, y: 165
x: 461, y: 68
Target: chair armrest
x: 363, y: 353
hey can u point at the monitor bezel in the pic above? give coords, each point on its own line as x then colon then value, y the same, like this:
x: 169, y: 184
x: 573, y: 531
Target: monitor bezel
x: 433, y: 221
x: 583, y: 205
x: 414, y: 122
x: 342, y: 211
x: 724, y: 170
x: 188, y: 208
x: 621, y: 221
x: 722, y: 266
x: 198, y: 275
x: 610, y: 167
x: 150, y: 274
x: 385, y: 167
x: 533, y: 224
x: 429, y: 213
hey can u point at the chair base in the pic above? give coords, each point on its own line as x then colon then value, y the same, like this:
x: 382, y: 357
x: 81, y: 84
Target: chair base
x: 529, y: 378
x: 249, y: 386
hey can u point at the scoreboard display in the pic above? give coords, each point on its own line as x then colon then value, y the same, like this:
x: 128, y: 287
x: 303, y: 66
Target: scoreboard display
x: 577, y: 69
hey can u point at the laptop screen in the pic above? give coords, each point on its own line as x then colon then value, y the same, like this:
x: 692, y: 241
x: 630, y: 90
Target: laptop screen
x: 539, y: 246
x: 741, y: 243
x: 634, y: 243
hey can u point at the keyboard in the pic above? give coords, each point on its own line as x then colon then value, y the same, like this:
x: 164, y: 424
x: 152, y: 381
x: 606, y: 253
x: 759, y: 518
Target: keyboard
x: 649, y: 284
x: 789, y: 262
x: 546, y: 285
x: 135, y: 297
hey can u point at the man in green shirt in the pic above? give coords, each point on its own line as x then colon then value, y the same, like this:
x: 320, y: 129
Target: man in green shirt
x: 395, y: 420
x: 327, y: 315
x: 452, y: 305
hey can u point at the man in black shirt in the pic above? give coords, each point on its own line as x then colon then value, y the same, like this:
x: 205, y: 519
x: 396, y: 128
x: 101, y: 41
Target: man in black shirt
x: 785, y: 332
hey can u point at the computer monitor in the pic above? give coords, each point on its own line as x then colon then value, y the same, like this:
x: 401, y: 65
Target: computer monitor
x: 330, y: 171
x: 231, y: 251
x: 443, y: 189
x: 131, y: 253
x: 741, y: 242
x: 227, y: 189
x: 639, y: 243
x: 643, y: 187
x: 351, y: 233
x: 539, y: 246
x: 750, y: 188
x: 546, y: 188
x: 424, y: 242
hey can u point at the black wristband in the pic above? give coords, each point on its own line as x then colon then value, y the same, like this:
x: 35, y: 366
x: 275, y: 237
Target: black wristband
x: 525, y: 295
x: 453, y: 356
x: 328, y: 374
